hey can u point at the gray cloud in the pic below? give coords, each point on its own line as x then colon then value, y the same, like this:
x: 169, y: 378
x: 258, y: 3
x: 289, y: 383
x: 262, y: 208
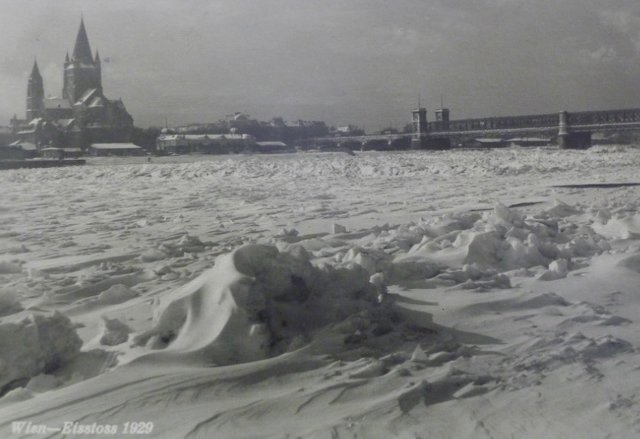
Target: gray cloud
x: 349, y: 61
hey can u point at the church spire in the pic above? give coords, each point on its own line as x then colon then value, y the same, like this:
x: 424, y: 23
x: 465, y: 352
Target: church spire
x: 83, y: 73
x: 82, y: 50
x: 35, y: 93
x: 35, y: 71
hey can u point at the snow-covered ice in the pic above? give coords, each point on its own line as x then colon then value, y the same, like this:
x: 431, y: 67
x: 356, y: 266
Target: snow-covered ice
x: 415, y: 294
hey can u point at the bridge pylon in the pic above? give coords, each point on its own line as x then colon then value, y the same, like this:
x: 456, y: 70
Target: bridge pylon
x: 421, y: 138
x: 420, y: 128
x: 568, y: 139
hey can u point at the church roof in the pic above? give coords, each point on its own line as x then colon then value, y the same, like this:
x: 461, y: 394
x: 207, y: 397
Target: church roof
x: 97, y: 102
x: 119, y: 104
x: 64, y: 123
x: 87, y: 95
x: 56, y: 103
x: 36, y: 121
x: 82, y: 49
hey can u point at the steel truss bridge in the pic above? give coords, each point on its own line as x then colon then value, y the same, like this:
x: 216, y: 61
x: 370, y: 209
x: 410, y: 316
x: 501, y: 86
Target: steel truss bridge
x: 569, y: 130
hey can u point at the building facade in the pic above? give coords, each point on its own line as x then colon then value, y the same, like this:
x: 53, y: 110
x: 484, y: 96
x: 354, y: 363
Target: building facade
x: 170, y: 143
x: 82, y: 115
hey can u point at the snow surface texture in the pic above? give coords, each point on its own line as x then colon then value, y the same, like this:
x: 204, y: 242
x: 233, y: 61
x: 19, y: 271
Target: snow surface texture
x: 445, y: 294
x: 36, y: 345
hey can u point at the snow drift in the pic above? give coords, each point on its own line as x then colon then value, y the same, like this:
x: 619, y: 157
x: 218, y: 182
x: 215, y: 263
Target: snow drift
x: 257, y: 302
x: 39, y: 344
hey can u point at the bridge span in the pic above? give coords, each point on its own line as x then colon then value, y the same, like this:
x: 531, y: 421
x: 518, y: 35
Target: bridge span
x: 572, y: 130
x: 569, y: 130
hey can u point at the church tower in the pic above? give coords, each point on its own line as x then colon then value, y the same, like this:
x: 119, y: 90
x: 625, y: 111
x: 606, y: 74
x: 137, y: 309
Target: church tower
x: 35, y: 94
x: 83, y: 115
x: 81, y: 72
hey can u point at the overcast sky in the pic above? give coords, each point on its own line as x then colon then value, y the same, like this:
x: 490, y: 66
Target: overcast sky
x: 342, y: 61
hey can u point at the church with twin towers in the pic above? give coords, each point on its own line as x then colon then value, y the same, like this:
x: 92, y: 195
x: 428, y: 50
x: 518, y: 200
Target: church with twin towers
x: 82, y: 115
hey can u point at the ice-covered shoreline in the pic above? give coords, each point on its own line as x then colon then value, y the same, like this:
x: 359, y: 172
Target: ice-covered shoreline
x: 454, y: 304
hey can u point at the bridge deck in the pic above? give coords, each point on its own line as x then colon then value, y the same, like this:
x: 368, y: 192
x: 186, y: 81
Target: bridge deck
x: 546, y: 124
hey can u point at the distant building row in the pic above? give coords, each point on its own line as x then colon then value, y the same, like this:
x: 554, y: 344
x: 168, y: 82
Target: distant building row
x: 171, y: 143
